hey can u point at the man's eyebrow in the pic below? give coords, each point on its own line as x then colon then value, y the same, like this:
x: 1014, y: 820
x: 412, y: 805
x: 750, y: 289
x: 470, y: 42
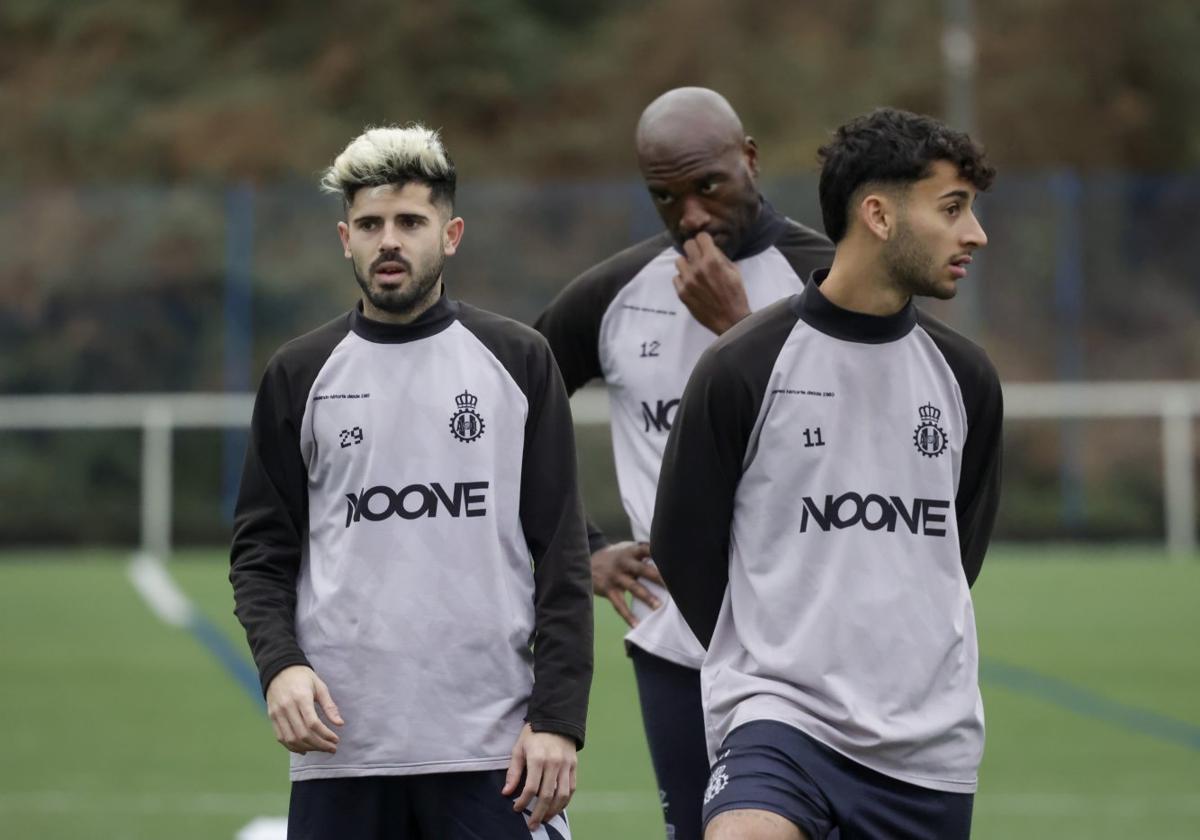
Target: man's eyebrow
x: 963, y: 194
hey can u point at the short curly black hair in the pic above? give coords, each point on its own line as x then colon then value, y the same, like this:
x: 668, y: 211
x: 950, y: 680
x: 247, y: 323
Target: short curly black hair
x: 892, y: 147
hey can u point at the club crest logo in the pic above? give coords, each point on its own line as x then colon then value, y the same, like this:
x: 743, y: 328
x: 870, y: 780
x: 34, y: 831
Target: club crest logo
x: 929, y: 437
x: 716, y: 783
x: 465, y: 423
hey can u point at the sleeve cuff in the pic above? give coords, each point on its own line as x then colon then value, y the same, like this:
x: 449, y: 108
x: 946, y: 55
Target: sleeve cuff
x: 596, y: 541
x: 269, y: 672
x: 559, y: 727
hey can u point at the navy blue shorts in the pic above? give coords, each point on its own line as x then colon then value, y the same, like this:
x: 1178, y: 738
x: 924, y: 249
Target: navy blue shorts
x: 770, y: 766
x: 435, y: 806
x: 674, y: 721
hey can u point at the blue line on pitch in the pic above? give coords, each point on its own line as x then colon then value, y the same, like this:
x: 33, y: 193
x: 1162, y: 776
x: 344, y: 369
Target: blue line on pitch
x: 1083, y: 702
x: 218, y: 645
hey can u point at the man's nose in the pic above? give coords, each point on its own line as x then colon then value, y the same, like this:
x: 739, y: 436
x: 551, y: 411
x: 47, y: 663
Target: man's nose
x: 390, y: 241
x: 694, y: 217
x: 974, y: 235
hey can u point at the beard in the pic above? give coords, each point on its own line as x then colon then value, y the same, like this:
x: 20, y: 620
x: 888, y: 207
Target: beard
x: 912, y: 268
x: 731, y: 239
x: 406, y: 297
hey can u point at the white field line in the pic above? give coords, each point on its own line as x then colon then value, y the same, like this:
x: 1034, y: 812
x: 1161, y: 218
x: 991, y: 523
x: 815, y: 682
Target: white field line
x: 601, y: 801
x: 158, y: 589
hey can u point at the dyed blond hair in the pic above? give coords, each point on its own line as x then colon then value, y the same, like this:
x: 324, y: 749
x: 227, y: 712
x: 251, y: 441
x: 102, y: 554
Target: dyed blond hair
x: 392, y: 155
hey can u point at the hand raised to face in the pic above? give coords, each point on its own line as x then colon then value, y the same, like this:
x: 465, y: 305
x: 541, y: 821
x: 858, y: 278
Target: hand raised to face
x: 710, y: 285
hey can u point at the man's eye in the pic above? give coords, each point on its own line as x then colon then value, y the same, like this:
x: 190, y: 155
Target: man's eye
x: 368, y: 225
x: 662, y: 199
x: 953, y: 209
x: 708, y: 187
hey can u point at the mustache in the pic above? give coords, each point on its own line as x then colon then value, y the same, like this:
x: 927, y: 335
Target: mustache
x: 390, y: 257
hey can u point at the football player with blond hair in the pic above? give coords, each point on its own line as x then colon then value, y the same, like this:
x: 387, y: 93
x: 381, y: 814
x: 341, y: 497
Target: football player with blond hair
x: 409, y: 556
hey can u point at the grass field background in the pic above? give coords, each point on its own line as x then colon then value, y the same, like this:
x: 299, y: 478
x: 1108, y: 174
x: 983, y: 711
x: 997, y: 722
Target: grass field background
x: 119, y: 726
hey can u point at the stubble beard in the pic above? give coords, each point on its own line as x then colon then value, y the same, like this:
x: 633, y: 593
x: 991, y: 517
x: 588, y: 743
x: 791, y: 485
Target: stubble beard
x: 404, y: 299
x: 741, y: 228
x: 912, y: 268
x: 743, y: 222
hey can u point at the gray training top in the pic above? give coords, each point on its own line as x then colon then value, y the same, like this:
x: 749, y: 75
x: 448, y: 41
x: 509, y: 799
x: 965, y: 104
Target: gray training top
x: 827, y: 496
x: 409, y: 525
x: 622, y: 321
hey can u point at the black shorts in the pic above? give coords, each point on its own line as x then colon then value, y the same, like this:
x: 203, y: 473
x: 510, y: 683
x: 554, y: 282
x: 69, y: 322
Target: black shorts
x: 769, y: 766
x: 435, y: 806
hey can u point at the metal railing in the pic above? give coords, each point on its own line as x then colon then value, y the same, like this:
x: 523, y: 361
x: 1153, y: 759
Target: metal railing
x: 1176, y: 405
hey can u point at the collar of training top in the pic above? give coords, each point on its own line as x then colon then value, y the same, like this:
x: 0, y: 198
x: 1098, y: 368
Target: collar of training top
x: 765, y: 232
x: 820, y: 313
x: 432, y: 321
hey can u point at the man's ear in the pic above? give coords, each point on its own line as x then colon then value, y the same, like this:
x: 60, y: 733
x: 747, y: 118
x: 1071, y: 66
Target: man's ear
x: 750, y: 151
x: 452, y: 233
x: 344, y: 235
x: 878, y: 213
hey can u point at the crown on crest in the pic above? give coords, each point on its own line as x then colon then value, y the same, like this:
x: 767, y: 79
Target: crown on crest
x: 466, y: 401
x: 929, y: 414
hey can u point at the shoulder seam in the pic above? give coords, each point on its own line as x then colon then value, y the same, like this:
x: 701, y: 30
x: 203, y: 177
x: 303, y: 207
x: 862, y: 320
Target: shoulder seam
x: 508, y: 374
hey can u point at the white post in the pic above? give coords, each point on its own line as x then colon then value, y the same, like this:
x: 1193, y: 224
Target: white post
x: 156, y: 480
x: 959, y: 62
x: 1179, y: 475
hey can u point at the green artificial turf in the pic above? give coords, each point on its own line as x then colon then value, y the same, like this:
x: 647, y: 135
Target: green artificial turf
x: 119, y: 726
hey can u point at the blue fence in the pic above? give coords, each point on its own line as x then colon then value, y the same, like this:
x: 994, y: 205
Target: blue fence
x: 191, y: 287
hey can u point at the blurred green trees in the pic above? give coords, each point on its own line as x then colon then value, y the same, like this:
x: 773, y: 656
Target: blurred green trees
x: 182, y: 89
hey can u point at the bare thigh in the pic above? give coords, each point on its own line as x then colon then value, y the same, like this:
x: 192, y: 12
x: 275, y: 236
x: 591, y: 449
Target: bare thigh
x: 752, y: 824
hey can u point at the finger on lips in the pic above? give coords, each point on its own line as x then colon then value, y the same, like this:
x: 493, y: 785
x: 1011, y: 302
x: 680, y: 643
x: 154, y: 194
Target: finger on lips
x: 708, y: 245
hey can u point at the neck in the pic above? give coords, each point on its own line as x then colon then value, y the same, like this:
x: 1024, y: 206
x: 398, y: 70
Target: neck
x: 418, y: 309
x: 859, y: 282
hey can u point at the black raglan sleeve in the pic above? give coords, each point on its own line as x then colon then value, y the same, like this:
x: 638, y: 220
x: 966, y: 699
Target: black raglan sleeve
x: 271, y: 515
x: 571, y: 324
x: 704, y: 461
x: 805, y: 249
x: 978, y: 496
x: 552, y: 520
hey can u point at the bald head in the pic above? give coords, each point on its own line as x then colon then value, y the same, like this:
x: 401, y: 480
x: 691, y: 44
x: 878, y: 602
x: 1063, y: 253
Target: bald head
x: 699, y: 166
x: 689, y: 116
